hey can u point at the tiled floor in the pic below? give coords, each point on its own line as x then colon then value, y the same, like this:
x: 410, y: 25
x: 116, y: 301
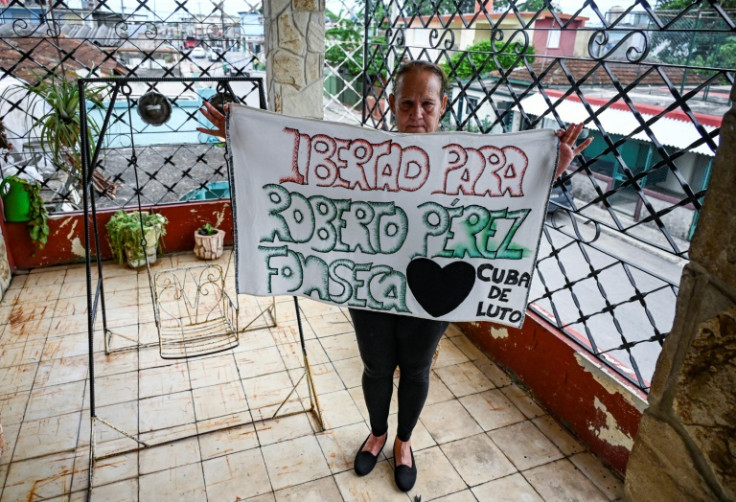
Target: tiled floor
x: 480, y: 436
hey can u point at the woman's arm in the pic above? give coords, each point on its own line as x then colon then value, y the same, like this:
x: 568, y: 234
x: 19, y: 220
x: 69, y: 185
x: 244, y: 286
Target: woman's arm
x: 218, y: 120
x: 568, y: 150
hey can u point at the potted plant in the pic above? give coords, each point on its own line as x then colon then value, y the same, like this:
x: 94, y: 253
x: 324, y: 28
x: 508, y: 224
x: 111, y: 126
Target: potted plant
x: 126, y: 233
x: 54, y: 111
x: 60, y: 124
x: 22, y: 202
x: 208, y: 242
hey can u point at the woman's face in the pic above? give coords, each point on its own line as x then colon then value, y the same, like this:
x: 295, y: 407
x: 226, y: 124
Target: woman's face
x: 418, y: 103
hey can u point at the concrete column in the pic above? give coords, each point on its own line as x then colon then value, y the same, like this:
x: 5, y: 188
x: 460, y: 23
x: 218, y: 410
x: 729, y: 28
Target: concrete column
x: 686, y: 445
x: 295, y: 46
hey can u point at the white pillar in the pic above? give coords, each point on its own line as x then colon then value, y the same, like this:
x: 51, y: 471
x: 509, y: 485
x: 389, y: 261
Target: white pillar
x: 295, y: 47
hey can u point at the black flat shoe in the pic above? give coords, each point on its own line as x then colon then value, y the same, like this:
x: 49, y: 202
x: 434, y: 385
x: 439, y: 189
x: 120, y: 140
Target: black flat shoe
x: 365, y: 461
x: 406, y: 476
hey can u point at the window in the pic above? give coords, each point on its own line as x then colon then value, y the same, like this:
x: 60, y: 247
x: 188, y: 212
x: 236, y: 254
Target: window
x: 553, y: 39
x: 470, y: 105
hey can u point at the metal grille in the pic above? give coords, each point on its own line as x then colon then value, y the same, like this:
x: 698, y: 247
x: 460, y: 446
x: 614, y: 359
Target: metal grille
x: 59, y: 41
x: 649, y: 88
x: 343, y: 96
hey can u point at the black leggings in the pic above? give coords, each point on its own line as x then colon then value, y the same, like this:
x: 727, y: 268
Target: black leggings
x: 385, y: 341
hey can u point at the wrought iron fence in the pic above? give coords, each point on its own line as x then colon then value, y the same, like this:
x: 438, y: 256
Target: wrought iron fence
x: 649, y: 85
x: 45, y: 47
x: 344, y: 40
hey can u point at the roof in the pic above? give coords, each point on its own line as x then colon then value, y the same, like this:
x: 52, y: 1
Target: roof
x: 46, y: 56
x: 624, y: 72
x: 674, y: 129
x: 474, y: 17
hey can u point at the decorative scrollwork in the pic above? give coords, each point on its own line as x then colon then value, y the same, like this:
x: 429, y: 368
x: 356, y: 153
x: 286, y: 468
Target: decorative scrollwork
x: 600, y: 48
x: 53, y: 30
x: 20, y: 27
x: 395, y: 37
x: 496, y: 36
x: 126, y: 90
x: 151, y: 30
x: 121, y: 29
x: 448, y: 37
x: 213, y: 32
x: 518, y: 42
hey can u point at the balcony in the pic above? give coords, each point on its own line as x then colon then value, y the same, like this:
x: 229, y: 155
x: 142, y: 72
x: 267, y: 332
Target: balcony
x: 552, y: 411
x: 481, y: 435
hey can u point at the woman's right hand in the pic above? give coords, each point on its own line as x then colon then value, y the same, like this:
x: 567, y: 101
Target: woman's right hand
x: 218, y: 120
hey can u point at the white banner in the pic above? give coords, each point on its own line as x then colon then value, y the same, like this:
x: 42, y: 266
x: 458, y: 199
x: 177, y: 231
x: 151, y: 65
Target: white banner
x: 442, y: 226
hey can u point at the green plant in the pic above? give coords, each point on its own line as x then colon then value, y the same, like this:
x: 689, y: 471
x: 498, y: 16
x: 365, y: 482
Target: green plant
x: 486, y: 57
x: 60, y: 125
x: 38, y: 227
x: 125, y: 233
x: 207, y: 229
x: 344, y: 46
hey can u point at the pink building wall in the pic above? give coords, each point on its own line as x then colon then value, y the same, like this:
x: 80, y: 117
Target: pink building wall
x: 567, y: 37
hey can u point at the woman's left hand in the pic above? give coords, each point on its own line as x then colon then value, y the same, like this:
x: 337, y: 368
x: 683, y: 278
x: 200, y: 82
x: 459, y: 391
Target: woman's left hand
x: 218, y: 120
x: 568, y: 150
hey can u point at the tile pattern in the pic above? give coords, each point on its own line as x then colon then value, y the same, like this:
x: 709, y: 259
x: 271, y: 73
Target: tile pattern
x: 481, y: 436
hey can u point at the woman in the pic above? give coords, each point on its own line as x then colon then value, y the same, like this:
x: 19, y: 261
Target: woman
x: 388, y: 340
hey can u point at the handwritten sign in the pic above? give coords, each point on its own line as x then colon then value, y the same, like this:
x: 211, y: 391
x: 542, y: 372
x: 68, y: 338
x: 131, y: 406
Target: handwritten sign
x: 441, y: 226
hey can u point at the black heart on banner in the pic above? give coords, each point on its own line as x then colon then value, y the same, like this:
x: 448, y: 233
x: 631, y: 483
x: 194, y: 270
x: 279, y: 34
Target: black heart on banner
x: 439, y: 290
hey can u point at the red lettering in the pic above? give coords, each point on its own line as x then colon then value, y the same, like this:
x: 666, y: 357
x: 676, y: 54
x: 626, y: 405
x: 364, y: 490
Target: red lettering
x: 488, y: 183
x: 462, y: 177
x: 387, y: 169
x: 511, y: 175
x: 300, y: 152
x: 325, y: 161
x: 355, y: 157
x: 414, y: 169
x: 487, y: 171
x: 322, y: 170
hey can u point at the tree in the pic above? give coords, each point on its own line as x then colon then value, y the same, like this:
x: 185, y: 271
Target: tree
x: 427, y: 8
x: 344, y: 41
x: 528, y: 6
x: 683, y: 4
x: 485, y: 59
x: 698, y: 38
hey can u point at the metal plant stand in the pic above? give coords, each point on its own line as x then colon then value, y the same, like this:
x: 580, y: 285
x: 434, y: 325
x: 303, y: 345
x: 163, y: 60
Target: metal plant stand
x: 195, y: 314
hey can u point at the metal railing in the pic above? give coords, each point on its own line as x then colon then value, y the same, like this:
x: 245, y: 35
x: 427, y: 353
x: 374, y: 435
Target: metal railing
x: 43, y: 46
x: 650, y: 91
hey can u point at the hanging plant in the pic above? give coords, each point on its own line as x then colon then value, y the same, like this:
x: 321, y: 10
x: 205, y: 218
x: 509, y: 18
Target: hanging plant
x: 60, y: 126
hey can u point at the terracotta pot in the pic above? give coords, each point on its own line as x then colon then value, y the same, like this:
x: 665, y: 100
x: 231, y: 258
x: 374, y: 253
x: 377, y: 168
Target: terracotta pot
x: 209, y: 247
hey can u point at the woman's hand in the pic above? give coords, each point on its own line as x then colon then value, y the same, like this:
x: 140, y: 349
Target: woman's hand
x: 218, y: 120
x: 568, y: 150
